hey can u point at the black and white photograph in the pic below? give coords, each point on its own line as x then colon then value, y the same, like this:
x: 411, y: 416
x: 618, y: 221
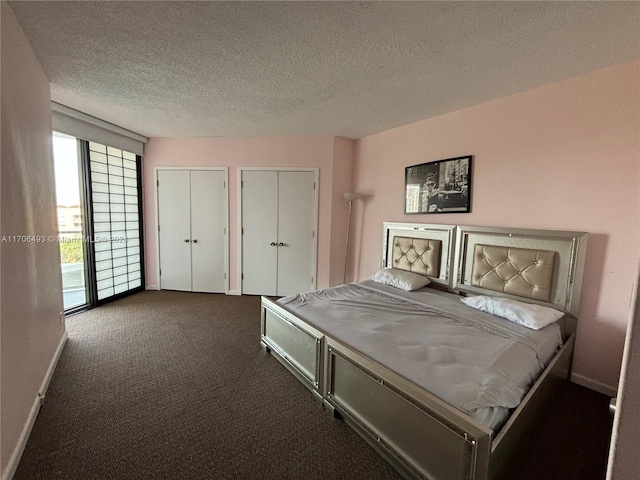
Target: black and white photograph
x: 443, y: 186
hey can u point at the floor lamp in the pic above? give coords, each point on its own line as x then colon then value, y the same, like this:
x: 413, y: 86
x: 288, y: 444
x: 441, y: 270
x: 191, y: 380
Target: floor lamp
x: 349, y: 197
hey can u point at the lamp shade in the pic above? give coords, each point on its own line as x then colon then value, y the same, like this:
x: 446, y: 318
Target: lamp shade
x: 351, y: 196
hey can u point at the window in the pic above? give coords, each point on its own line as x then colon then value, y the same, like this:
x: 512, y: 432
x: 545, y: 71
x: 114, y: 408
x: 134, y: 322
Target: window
x: 101, y: 258
x: 71, y: 233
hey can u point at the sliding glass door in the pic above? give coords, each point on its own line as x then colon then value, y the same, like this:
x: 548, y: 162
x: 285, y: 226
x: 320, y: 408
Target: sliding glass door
x: 100, y: 221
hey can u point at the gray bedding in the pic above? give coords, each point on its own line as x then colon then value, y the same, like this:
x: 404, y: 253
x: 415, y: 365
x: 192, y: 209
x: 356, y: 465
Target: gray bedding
x: 480, y: 364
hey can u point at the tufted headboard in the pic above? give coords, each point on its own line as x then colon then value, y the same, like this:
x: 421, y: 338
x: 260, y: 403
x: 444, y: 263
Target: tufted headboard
x: 417, y: 255
x: 420, y: 248
x: 517, y: 271
x: 539, y: 266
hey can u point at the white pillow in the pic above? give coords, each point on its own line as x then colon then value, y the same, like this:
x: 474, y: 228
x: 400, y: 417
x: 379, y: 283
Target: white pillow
x: 400, y: 279
x: 527, y: 314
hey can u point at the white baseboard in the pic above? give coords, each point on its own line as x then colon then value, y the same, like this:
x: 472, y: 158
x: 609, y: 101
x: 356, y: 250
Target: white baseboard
x: 16, y: 455
x: 157, y: 287
x: 52, y: 366
x: 599, y: 387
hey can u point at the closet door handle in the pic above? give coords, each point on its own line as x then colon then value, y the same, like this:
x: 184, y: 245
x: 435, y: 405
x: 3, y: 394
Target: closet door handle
x: 273, y: 244
x: 281, y: 244
x: 186, y: 240
x: 194, y: 241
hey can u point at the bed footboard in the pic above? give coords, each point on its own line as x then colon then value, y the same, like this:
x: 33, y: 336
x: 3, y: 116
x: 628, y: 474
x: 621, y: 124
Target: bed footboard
x: 298, y: 346
x: 416, y: 432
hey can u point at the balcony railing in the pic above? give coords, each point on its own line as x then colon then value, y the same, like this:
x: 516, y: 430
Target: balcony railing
x: 73, y: 273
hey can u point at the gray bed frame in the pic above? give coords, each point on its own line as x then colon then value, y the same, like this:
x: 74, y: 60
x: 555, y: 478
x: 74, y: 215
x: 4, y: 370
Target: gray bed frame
x: 419, y: 434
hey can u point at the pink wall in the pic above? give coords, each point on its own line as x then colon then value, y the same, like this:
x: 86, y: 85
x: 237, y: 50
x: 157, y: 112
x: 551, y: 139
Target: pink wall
x: 343, y: 153
x: 235, y: 153
x: 565, y: 156
x: 31, y: 288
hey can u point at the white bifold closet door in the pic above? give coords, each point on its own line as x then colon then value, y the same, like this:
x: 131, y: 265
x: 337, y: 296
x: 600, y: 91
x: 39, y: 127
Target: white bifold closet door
x: 278, y: 225
x: 192, y: 230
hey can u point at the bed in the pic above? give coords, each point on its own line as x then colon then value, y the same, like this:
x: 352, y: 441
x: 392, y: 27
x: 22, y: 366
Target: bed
x: 440, y: 389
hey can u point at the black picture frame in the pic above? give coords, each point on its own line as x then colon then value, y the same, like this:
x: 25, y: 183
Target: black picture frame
x: 443, y: 186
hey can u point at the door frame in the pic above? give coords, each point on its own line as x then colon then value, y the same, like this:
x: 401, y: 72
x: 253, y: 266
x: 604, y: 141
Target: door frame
x: 225, y: 209
x: 314, y: 264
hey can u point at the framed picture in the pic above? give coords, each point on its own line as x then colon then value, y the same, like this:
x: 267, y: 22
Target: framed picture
x: 443, y: 186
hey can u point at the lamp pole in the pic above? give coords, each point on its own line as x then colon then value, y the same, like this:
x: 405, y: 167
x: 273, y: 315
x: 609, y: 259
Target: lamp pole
x: 350, y: 197
x: 346, y: 248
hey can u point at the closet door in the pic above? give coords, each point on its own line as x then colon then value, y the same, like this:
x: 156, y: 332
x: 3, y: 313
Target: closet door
x: 259, y: 232
x: 208, y: 222
x: 174, y: 220
x: 192, y: 230
x: 296, y: 225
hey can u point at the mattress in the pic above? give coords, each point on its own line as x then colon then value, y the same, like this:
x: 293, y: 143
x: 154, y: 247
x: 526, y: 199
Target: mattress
x: 478, y: 363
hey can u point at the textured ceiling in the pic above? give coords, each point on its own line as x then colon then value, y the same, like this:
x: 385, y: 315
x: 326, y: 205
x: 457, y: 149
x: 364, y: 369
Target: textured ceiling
x: 311, y: 68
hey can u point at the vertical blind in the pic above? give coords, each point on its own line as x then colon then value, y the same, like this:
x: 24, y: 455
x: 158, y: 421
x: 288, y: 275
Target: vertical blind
x: 116, y: 219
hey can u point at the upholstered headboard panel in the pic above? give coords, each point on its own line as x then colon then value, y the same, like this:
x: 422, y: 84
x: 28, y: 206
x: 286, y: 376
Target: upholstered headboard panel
x: 426, y: 249
x: 538, y: 266
x: 523, y: 272
x: 417, y: 255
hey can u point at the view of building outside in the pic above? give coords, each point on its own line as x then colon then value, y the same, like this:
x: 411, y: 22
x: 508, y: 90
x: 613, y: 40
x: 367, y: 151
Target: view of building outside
x: 70, y: 224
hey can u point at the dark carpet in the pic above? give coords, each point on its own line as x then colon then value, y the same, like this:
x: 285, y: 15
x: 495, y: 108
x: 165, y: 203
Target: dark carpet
x: 173, y: 385
x: 574, y: 443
